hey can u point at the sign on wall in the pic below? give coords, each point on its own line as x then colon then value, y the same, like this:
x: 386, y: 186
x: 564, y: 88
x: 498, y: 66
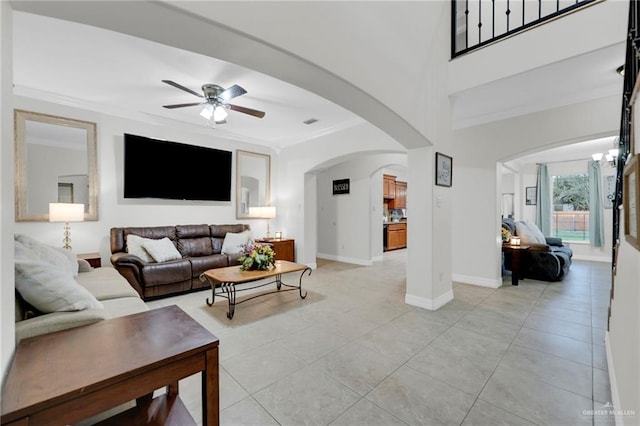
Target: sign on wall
x: 341, y: 186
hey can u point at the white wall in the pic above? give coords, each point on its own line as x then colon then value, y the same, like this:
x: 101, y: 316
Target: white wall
x: 591, y: 28
x: 348, y: 224
x: 7, y: 288
x: 623, y: 339
x: 114, y: 210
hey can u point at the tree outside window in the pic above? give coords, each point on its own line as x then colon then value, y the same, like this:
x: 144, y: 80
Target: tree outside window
x: 570, y: 218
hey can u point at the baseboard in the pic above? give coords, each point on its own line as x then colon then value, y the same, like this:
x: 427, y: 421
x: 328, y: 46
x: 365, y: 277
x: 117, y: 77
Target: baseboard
x: 430, y: 304
x: 591, y: 258
x: 482, y: 282
x: 615, y: 396
x: 344, y: 259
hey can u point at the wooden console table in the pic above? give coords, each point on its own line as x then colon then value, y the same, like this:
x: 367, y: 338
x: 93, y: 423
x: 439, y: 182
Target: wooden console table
x: 228, y: 278
x: 70, y: 375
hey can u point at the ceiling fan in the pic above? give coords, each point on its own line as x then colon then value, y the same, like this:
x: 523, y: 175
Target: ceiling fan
x: 214, y: 103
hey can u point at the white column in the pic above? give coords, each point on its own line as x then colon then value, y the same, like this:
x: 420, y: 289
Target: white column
x: 429, y: 234
x: 6, y: 191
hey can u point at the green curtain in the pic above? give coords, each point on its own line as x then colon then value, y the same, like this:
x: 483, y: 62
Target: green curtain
x: 543, y: 201
x: 596, y: 209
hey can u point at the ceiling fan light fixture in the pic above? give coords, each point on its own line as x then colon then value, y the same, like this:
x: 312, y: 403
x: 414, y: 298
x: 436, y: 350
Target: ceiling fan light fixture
x: 207, y: 111
x: 220, y: 113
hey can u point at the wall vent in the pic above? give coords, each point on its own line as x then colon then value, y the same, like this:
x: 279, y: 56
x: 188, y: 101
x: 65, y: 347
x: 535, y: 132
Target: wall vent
x: 310, y: 121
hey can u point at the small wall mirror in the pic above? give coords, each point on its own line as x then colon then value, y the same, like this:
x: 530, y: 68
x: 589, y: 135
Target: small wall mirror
x: 55, y: 161
x: 253, y: 182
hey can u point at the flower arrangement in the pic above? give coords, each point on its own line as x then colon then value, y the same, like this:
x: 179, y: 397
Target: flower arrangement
x: 257, y: 256
x: 505, y: 234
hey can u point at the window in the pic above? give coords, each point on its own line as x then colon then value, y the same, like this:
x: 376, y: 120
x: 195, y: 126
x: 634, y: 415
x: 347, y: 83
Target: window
x: 570, y: 217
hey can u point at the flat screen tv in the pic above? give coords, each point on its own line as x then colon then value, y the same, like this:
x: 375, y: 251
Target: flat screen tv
x: 169, y: 170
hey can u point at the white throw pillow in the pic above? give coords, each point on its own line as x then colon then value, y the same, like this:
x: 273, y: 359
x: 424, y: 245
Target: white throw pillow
x: 134, y: 246
x: 47, y: 287
x: 522, y: 230
x: 162, y: 250
x: 56, y: 256
x: 233, y: 242
x: 536, y: 233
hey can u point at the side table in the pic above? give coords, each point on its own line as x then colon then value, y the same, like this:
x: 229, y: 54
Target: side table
x: 516, y: 272
x: 284, y: 247
x: 93, y: 259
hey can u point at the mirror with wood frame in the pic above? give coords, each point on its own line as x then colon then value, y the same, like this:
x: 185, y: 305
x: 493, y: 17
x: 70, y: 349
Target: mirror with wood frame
x: 56, y: 161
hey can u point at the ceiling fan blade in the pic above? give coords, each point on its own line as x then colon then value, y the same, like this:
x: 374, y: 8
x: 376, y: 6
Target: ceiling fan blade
x: 181, y: 87
x: 245, y: 110
x: 232, y: 92
x: 181, y: 105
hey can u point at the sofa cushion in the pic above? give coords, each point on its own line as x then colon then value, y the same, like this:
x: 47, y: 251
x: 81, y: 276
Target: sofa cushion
x: 234, y: 242
x: 162, y: 250
x: 135, y: 246
x: 47, y: 287
x: 124, y: 306
x: 195, y: 247
x: 174, y: 271
x: 105, y: 284
x: 201, y: 264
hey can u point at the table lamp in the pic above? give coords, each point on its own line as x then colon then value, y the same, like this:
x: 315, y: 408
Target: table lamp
x: 266, y: 212
x: 66, y: 212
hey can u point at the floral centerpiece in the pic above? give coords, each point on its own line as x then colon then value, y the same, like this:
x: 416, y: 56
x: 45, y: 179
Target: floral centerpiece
x: 506, y: 235
x: 257, y: 256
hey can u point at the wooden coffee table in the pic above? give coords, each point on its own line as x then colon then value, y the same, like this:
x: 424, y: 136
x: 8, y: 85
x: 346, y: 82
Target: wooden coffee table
x: 229, y: 278
x: 70, y: 375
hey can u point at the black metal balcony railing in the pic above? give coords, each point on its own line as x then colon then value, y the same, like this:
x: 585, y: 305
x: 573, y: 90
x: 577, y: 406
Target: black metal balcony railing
x: 476, y: 23
x: 631, y: 70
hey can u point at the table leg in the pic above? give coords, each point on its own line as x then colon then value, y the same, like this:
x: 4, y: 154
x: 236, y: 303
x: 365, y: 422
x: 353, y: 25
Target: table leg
x: 515, y: 266
x: 230, y: 288
x: 211, y: 390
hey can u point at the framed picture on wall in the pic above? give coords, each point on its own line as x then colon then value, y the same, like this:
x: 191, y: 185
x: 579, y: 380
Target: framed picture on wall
x: 530, y: 195
x: 444, y: 170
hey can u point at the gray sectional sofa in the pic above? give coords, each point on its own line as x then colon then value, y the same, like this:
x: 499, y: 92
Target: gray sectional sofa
x: 105, y: 292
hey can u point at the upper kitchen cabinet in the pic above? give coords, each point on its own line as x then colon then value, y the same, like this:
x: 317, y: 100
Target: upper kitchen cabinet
x: 400, y: 201
x: 389, y: 187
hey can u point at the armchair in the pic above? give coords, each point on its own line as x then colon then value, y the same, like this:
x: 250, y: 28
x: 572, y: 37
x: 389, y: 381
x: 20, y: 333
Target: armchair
x: 548, y: 259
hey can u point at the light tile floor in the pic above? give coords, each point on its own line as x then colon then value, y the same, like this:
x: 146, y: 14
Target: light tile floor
x: 353, y: 353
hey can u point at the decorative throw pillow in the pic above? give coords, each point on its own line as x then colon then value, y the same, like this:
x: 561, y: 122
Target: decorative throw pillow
x: 233, y: 242
x: 536, y: 233
x: 56, y: 256
x: 134, y: 246
x: 162, y: 250
x: 47, y: 287
x: 522, y: 230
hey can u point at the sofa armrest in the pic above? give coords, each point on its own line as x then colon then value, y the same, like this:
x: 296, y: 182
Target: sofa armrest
x: 554, y: 241
x: 55, y: 321
x: 123, y: 257
x: 538, y: 247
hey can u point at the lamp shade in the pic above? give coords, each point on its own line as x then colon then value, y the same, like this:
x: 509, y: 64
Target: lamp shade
x: 266, y: 212
x: 66, y: 212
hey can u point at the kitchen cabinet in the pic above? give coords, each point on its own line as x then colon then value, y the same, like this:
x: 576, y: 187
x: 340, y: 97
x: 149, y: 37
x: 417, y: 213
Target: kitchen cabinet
x: 396, y: 236
x: 388, y: 187
x: 400, y: 201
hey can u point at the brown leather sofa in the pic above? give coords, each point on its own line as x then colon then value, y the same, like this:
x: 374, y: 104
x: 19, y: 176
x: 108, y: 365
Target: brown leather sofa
x: 199, y: 245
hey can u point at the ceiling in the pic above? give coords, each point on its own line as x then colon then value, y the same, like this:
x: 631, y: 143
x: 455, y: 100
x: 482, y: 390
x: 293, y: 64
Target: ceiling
x: 117, y: 74
x: 121, y: 75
